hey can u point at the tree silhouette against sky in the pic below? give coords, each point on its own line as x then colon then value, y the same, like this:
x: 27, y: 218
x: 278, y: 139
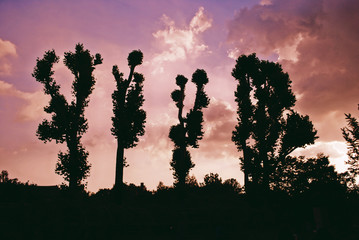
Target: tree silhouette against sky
x: 129, y: 119
x: 189, y: 130
x: 351, y: 135
x: 68, y: 122
x: 268, y: 129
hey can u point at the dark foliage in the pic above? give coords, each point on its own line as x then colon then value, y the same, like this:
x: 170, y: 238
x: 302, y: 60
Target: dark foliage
x: 264, y: 133
x: 297, y: 175
x: 129, y: 118
x: 214, y: 210
x: 351, y: 136
x: 189, y: 130
x: 68, y: 122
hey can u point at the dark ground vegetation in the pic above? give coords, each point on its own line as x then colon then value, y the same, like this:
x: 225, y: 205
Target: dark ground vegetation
x: 211, y: 210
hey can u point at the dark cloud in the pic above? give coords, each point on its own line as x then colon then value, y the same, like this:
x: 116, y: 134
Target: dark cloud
x: 317, y: 43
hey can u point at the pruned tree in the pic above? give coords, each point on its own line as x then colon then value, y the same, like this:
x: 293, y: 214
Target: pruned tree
x: 351, y: 136
x: 268, y: 129
x: 68, y: 122
x: 189, y: 130
x: 128, y: 122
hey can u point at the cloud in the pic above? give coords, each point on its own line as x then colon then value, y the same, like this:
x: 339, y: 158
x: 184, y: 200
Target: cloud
x: 265, y: 2
x: 336, y: 151
x: 156, y: 142
x: 7, y: 49
x: 316, y: 43
x: 181, y: 43
x: 34, y: 102
x: 219, y: 122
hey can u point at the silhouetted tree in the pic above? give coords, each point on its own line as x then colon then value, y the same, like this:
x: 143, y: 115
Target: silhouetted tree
x: 212, y: 179
x: 68, y: 122
x: 191, y: 181
x: 296, y: 175
x: 4, y: 176
x: 129, y: 119
x: 161, y: 186
x: 214, y: 183
x: 264, y: 132
x: 351, y: 135
x: 189, y: 130
x: 233, y: 184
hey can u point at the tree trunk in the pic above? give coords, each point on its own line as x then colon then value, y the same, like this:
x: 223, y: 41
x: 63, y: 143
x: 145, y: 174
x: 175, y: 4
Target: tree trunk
x: 265, y: 174
x: 246, y: 166
x: 246, y: 171
x: 72, y: 182
x: 73, y: 159
x: 119, y: 167
x: 182, y: 178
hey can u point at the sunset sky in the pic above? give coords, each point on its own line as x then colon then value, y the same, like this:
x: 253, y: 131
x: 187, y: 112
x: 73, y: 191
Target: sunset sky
x: 317, y: 43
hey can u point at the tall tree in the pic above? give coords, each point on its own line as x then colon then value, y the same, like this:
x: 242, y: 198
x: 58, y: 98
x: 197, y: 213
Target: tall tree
x: 129, y: 118
x: 264, y: 133
x: 190, y: 129
x: 68, y: 123
x: 351, y: 135
x: 243, y: 130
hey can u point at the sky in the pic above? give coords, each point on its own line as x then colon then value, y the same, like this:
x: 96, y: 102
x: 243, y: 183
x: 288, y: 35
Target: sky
x: 316, y: 42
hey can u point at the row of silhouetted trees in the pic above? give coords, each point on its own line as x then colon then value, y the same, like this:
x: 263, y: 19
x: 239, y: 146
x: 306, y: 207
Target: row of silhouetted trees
x: 268, y: 128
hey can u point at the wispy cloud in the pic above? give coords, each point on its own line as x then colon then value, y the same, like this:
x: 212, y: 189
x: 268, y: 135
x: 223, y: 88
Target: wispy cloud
x: 7, y: 49
x: 34, y: 102
x: 181, y: 43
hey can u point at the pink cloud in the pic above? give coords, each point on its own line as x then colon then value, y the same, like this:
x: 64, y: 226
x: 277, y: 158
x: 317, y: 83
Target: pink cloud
x: 334, y: 149
x: 181, y: 43
x: 7, y: 49
x: 32, y: 109
x: 219, y: 122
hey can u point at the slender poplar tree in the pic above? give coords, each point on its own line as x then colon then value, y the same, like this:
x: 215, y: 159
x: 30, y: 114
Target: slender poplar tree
x: 68, y: 123
x: 190, y: 129
x: 129, y: 118
x: 243, y: 130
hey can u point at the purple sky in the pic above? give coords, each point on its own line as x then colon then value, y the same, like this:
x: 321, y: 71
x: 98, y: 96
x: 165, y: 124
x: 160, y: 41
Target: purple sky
x: 315, y: 41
